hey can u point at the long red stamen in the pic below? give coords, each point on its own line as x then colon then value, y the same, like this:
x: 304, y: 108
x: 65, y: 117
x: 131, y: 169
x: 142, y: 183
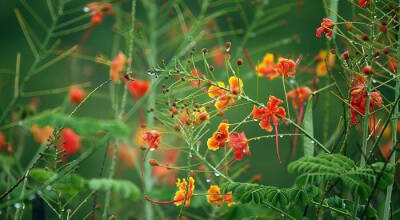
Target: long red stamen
x: 227, y: 164
x: 85, y: 36
x: 296, y: 132
x: 277, y: 142
x: 162, y: 202
x: 246, y: 55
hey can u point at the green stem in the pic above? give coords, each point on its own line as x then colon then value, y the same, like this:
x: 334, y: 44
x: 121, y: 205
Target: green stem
x: 388, y: 199
x: 152, y: 12
x: 110, y: 176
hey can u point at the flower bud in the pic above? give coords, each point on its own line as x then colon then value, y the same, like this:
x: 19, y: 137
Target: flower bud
x: 153, y: 162
x: 368, y: 70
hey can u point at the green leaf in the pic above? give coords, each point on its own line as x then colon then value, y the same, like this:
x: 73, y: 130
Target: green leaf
x: 328, y: 167
x: 70, y: 184
x: 123, y: 187
x: 308, y: 126
x: 81, y: 125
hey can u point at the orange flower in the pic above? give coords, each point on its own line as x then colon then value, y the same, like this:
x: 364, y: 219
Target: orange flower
x: 235, y: 85
x: 268, y: 113
x: 138, y: 88
x: 152, y: 138
x: 214, y: 196
x: 267, y: 67
x: 219, y: 137
x: 222, y: 95
x: 299, y: 95
x: 126, y: 153
x: 285, y: 67
x: 41, y: 135
x: 239, y: 144
x: 200, y: 116
x: 326, y: 26
x: 76, y: 94
x: 228, y: 198
x: 118, y: 66
x: 70, y: 140
x: 182, y: 193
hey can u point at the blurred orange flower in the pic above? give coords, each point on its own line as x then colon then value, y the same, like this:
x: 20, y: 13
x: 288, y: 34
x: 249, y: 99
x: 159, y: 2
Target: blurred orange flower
x: 126, y: 153
x: 325, y: 60
x: 41, y: 135
x: 214, y: 196
x: 218, y: 56
x: 118, y: 66
x: 299, y: 95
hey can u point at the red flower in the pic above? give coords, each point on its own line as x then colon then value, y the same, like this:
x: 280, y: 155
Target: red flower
x: 392, y: 65
x: 153, y: 138
x: 239, y: 144
x: 76, y: 94
x: 326, y: 26
x: 138, y: 88
x: 97, y: 11
x: 363, y: 3
x: 358, y: 98
x: 70, y: 140
x: 271, y: 111
x: 285, y: 67
x: 3, y: 142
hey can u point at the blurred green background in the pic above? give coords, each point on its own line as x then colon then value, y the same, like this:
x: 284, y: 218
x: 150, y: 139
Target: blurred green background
x: 301, y: 22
